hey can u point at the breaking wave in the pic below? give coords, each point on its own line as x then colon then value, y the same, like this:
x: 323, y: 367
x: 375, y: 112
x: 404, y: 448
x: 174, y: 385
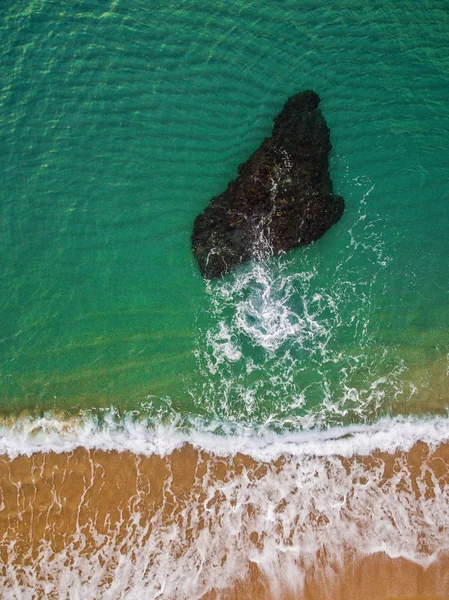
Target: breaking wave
x: 123, y: 511
x: 130, y: 433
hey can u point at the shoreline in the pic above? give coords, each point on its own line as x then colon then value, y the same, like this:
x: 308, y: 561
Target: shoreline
x: 27, y: 435
x: 193, y: 524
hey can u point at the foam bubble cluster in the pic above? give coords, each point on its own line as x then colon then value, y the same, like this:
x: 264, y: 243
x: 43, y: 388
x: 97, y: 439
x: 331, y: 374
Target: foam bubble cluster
x: 177, y: 525
x: 293, y: 342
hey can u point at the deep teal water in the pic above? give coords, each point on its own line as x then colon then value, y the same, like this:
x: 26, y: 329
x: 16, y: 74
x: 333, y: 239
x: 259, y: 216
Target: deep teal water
x: 119, y: 121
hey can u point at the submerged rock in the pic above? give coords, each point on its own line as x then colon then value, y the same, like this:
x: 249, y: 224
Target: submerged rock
x: 282, y: 197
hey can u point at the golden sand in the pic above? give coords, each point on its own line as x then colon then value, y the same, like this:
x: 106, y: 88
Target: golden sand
x: 75, y: 505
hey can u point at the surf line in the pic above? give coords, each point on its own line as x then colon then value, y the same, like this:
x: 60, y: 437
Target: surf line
x: 26, y: 435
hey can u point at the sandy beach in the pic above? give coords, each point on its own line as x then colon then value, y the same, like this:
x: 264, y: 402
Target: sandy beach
x: 248, y: 529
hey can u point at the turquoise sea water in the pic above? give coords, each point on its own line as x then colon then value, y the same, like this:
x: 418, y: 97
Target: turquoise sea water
x: 118, y: 123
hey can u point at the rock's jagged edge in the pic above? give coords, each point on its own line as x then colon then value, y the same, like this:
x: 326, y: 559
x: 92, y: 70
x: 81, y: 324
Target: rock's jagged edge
x: 281, y: 199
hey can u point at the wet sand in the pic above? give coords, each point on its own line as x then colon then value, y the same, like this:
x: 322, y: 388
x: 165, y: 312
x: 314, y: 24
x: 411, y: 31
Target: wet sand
x: 197, y: 525
x: 376, y: 577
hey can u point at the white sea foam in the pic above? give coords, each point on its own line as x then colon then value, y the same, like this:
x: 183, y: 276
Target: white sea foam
x: 292, y: 341
x: 279, y: 517
x: 322, y: 495
x: 52, y: 434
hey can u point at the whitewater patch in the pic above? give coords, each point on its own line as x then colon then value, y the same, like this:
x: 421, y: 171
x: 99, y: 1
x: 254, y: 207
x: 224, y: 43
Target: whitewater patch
x: 28, y: 435
x: 294, y: 341
x: 127, y: 512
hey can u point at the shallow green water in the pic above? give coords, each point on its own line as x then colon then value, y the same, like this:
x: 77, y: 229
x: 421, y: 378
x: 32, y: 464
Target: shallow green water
x: 120, y: 121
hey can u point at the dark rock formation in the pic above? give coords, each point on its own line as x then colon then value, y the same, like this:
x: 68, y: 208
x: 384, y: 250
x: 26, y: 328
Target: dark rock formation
x: 282, y: 197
